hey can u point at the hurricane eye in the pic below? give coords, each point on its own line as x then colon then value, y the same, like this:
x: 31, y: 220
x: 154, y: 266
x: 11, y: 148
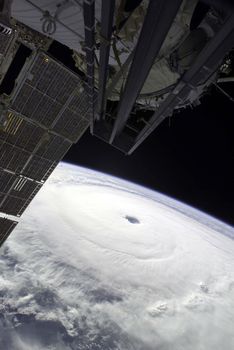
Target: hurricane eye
x: 132, y: 219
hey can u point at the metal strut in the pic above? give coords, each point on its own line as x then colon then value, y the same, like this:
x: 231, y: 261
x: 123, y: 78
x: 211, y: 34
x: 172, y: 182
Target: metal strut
x: 105, y: 34
x: 158, y: 20
x: 224, y: 92
x: 89, y: 25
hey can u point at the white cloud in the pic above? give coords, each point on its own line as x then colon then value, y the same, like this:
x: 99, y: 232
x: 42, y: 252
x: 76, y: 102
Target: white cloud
x: 75, y: 259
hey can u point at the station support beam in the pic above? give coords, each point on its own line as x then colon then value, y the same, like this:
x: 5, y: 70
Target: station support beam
x: 108, y: 8
x: 89, y: 26
x: 158, y: 20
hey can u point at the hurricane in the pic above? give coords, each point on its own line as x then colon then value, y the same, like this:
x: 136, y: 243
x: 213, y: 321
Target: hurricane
x: 101, y: 263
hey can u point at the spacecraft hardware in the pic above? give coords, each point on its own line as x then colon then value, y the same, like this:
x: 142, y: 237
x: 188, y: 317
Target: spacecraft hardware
x: 134, y: 64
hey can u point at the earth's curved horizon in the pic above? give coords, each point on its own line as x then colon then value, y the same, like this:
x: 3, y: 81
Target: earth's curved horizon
x: 97, y: 262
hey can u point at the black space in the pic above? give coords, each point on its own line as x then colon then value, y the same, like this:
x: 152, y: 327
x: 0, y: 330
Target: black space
x: 14, y: 69
x: 190, y: 160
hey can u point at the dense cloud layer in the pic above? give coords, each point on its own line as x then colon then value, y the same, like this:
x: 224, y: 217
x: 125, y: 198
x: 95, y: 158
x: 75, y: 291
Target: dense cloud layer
x: 76, y: 274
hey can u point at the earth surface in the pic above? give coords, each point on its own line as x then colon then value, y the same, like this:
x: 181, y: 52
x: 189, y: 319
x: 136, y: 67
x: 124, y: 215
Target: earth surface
x: 100, y: 263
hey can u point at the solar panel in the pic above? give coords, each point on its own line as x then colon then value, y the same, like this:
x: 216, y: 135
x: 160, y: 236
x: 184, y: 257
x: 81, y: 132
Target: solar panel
x: 16, y: 192
x: 25, y: 188
x: 7, y: 181
x: 71, y: 125
x: 36, y: 105
x: 66, y: 90
x: 48, y: 112
x: 79, y: 103
x: 49, y: 76
x: 13, y: 205
x: 32, y: 102
x: 12, y: 158
x: 52, y: 96
x: 20, y: 133
x: 63, y: 79
x: 22, y: 143
x: 6, y: 227
x: 39, y: 168
x: 53, y: 147
x: 21, y: 98
x: 37, y: 69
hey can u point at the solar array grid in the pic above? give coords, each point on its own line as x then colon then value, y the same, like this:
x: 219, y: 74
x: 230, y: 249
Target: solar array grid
x: 53, y: 147
x: 6, y: 181
x: 48, y: 112
x: 12, y: 158
x: 46, y: 95
x: 20, y: 133
x: 79, y: 104
x: 21, y: 141
x: 69, y: 124
x: 39, y: 168
x: 13, y: 205
x: 25, y: 188
x: 16, y: 192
